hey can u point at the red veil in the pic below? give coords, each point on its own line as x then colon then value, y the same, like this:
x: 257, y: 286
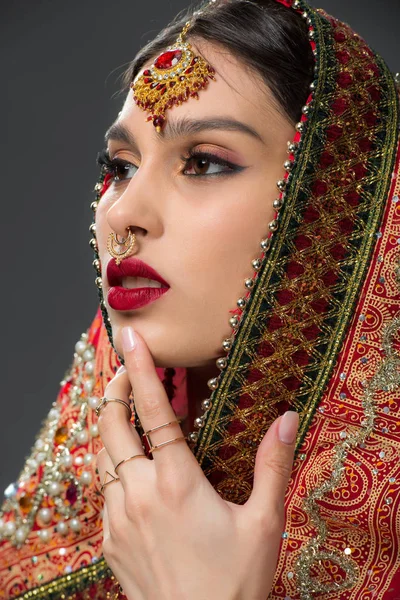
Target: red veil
x: 318, y: 333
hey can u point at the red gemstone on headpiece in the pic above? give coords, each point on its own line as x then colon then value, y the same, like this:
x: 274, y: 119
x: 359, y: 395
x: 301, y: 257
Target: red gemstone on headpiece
x: 169, y: 59
x: 158, y: 121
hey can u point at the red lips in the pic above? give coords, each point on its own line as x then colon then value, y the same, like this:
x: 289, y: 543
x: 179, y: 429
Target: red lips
x: 120, y: 298
x: 131, y: 267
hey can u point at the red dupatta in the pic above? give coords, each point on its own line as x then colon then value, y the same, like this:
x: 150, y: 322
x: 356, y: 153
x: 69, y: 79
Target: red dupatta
x: 313, y: 336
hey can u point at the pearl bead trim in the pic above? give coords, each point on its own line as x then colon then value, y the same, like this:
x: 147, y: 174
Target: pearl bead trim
x: 66, y: 473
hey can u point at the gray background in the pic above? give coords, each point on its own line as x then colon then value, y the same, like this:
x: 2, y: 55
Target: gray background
x: 59, y: 66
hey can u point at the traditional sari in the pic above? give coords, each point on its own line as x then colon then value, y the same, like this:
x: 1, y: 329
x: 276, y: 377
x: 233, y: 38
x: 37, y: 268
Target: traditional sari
x: 317, y: 333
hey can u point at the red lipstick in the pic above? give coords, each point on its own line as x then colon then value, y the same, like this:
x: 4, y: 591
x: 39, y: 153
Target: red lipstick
x: 121, y: 298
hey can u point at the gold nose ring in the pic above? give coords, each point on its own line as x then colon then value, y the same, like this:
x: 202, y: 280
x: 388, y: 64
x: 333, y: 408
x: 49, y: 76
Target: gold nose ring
x: 116, y: 247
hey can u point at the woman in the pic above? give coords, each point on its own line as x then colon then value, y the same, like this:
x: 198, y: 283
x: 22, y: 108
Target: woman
x: 312, y: 327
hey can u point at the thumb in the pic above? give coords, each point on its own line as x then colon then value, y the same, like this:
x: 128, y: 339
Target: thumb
x: 273, y: 466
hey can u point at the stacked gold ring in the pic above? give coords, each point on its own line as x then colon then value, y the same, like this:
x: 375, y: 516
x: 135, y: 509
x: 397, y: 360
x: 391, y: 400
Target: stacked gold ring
x: 104, y: 401
x: 105, y: 483
x: 146, y: 434
x: 149, y: 442
x: 127, y: 459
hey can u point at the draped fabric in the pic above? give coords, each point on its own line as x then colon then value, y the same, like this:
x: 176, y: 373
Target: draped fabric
x: 318, y: 334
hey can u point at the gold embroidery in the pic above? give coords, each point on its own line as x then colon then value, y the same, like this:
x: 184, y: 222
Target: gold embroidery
x: 71, y: 586
x: 387, y: 378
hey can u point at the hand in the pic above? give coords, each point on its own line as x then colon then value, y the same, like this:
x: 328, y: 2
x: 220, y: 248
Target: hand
x: 167, y: 532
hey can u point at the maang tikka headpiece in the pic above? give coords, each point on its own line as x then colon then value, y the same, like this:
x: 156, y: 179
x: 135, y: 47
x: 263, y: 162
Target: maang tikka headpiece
x: 175, y: 76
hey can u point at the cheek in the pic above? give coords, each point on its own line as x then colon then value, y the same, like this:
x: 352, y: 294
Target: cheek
x: 223, y: 237
x: 211, y: 254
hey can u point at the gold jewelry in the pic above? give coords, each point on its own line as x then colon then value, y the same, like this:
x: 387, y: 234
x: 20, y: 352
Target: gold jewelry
x: 130, y: 458
x: 105, y: 401
x: 119, y: 254
x: 149, y: 442
x: 105, y: 483
x: 175, y: 76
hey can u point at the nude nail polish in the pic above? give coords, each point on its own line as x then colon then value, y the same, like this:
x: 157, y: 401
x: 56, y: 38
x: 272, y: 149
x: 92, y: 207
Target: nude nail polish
x: 128, y: 339
x: 288, y: 426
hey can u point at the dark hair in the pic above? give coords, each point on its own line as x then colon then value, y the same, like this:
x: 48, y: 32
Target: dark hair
x: 265, y: 35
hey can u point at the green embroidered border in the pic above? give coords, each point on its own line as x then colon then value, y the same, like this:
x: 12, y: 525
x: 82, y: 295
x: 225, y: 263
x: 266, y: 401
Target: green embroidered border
x: 67, y: 585
x: 293, y: 193
x: 383, y: 164
x: 364, y: 251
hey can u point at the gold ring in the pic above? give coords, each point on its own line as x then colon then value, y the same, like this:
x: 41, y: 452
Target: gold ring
x: 182, y: 437
x: 105, y: 483
x: 105, y: 401
x: 130, y: 458
x: 149, y: 442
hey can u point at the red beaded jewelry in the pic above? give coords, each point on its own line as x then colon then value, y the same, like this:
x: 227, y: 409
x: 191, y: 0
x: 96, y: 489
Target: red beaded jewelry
x: 175, y: 76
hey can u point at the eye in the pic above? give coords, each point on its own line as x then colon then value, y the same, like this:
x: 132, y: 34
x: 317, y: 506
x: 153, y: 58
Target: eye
x: 203, y: 164
x: 119, y: 169
x: 197, y: 164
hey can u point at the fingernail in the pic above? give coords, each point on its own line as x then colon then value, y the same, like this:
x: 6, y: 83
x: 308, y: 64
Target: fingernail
x: 288, y: 425
x: 128, y: 339
x: 122, y: 369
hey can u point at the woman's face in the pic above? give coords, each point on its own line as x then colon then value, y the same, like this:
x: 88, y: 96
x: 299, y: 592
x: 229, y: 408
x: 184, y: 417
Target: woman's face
x: 198, y: 221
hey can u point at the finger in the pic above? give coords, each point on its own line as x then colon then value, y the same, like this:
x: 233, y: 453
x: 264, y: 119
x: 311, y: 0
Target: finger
x: 151, y: 402
x: 106, y: 524
x: 273, y: 467
x: 113, y: 492
x: 117, y: 433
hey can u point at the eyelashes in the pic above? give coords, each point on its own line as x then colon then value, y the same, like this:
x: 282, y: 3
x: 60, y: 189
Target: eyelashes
x: 211, y: 159
x: 118, y: 168
x: 112, y: 167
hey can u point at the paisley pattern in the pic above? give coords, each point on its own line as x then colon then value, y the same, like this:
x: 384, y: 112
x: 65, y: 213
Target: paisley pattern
x: 361, y: 513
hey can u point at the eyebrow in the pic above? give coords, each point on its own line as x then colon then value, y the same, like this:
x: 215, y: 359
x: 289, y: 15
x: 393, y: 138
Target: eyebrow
x: 183, y: 127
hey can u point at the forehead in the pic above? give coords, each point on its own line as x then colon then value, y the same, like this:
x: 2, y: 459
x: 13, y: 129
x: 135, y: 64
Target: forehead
x: 237, y: 92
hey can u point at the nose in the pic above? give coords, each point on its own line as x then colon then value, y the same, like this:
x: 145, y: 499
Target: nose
x: 137, y: 208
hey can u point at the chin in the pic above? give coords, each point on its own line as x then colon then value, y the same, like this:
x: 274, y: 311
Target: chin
x: 181, y: 353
